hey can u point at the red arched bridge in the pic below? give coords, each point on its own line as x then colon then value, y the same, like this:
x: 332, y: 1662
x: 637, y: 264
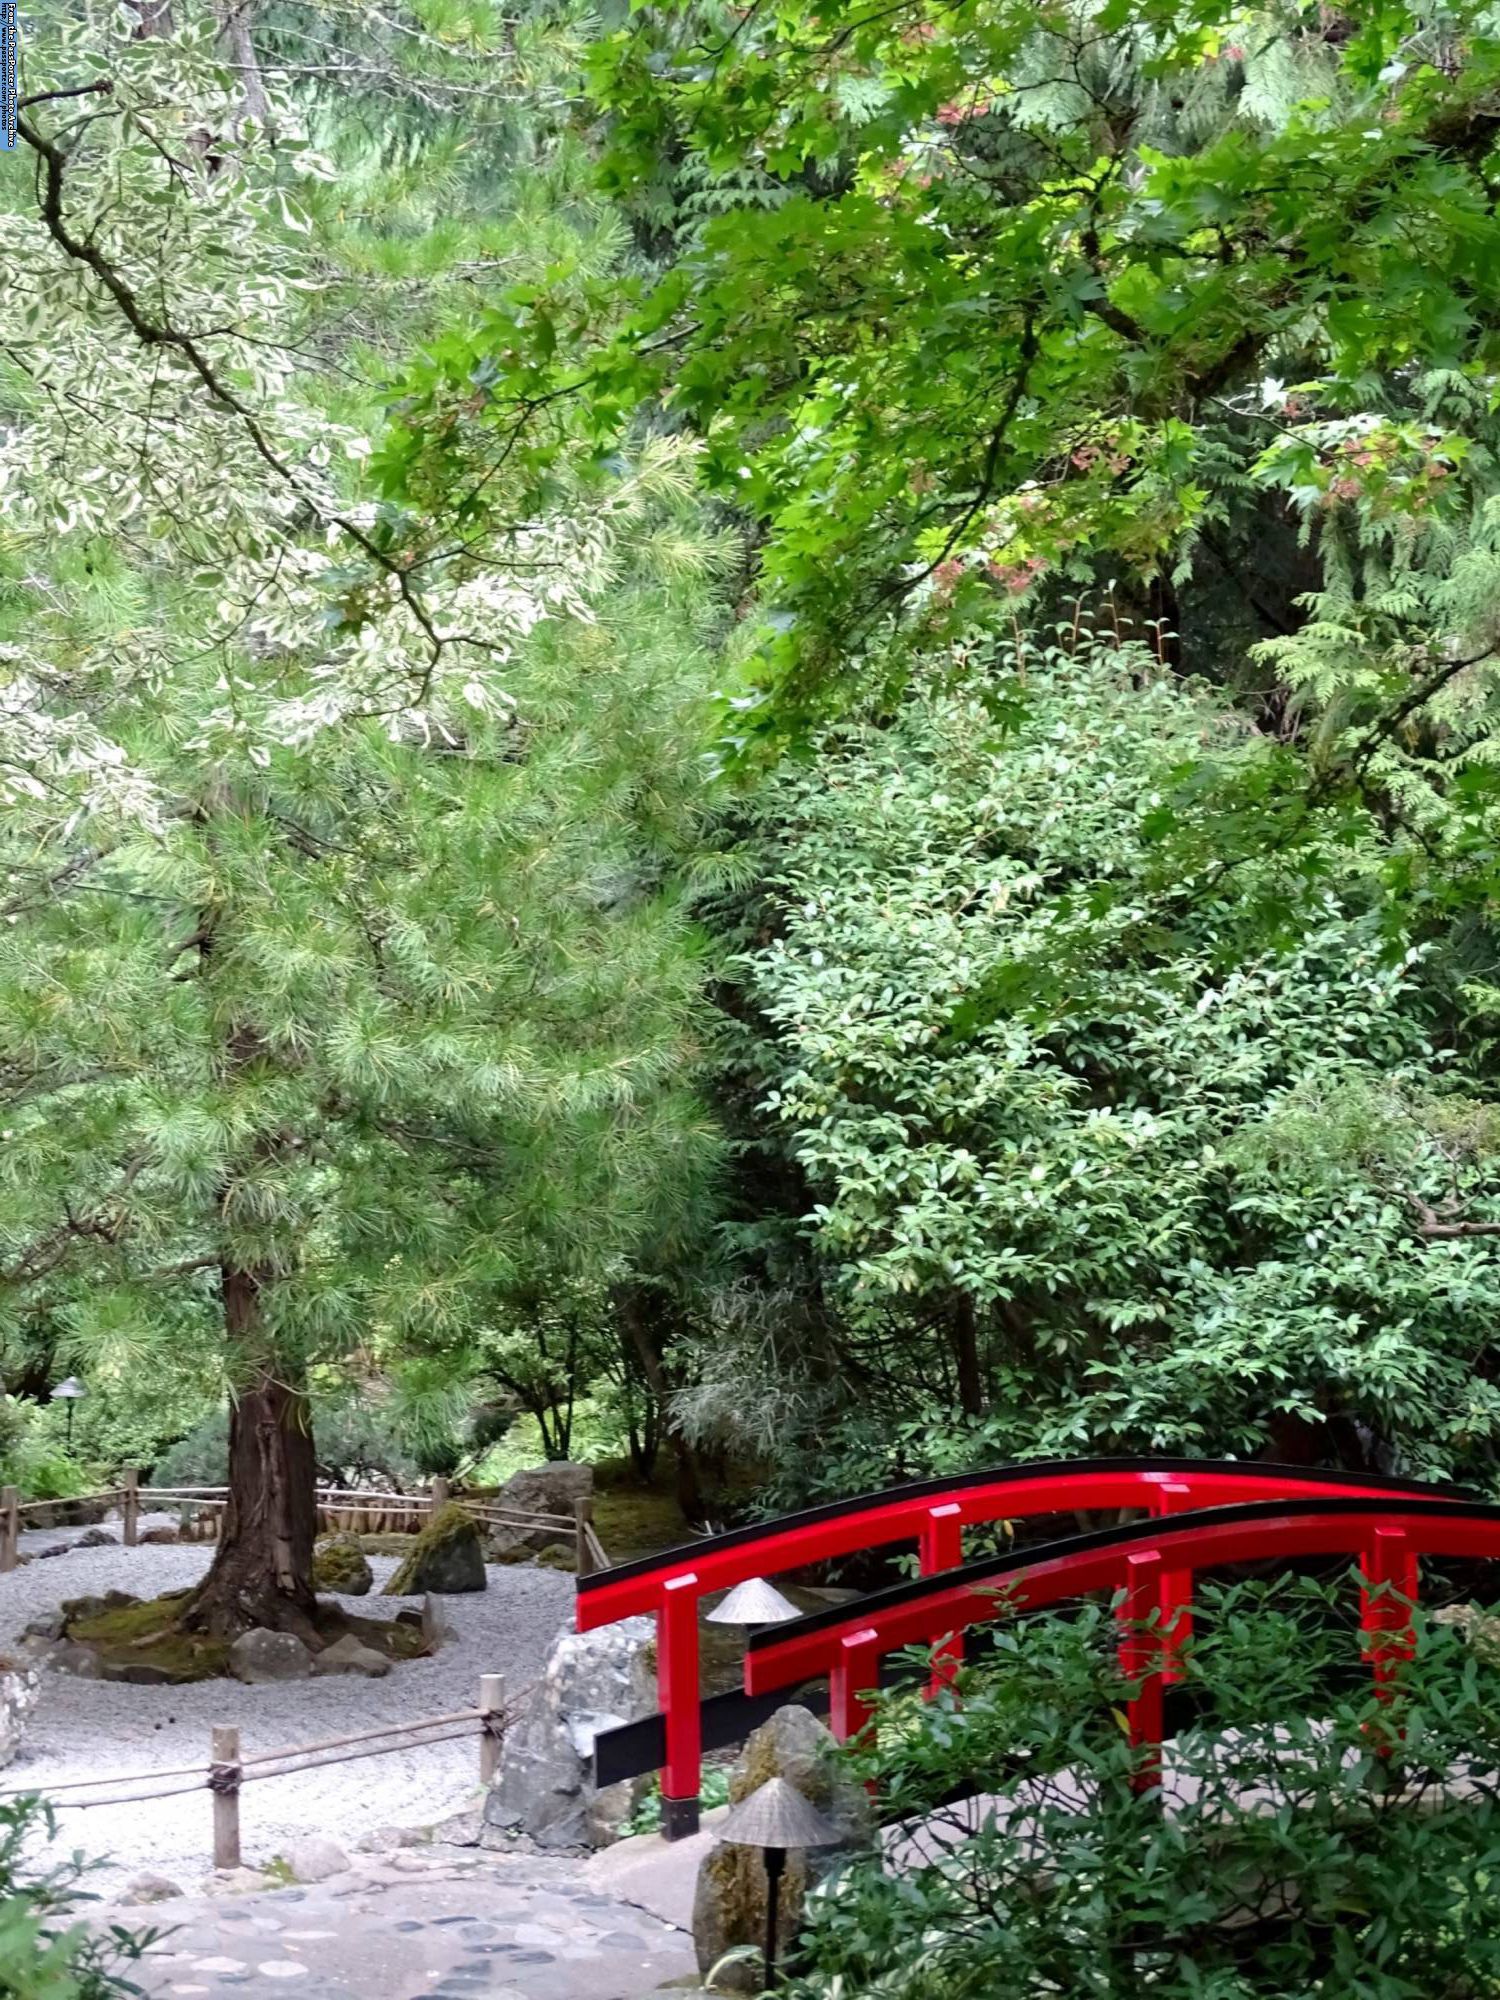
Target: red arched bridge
x: 1199, y: 1514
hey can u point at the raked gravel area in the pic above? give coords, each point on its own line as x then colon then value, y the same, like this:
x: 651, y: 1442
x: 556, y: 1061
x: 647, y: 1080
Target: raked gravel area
x: 100, y: 1729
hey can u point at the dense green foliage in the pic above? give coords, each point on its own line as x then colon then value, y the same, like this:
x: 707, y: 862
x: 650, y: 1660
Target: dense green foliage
x: 1066, y: 434
x: 1105, y: 1162
x: 1295, y: 1856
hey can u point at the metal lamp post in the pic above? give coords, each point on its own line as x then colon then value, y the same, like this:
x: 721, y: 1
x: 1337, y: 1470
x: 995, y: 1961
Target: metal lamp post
x: 68, y: 1392
x: 776, y: 1818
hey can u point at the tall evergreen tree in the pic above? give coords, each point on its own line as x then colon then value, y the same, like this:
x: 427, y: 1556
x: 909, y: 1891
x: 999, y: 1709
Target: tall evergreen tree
x: 347, y: 960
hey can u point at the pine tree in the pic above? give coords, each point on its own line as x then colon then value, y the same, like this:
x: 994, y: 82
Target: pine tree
x: 348, y: 968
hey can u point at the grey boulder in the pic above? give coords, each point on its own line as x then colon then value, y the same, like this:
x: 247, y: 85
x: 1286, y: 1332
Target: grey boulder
x: 152, y: 1889
x: 262, y: 1655
x: 544, y: 1788
x: 316, y: 1859
x: 349, y: 1656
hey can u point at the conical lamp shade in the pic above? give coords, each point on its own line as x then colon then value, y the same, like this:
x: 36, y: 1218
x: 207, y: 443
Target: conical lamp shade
x: 754, y: 1603
x: 777, y: 1815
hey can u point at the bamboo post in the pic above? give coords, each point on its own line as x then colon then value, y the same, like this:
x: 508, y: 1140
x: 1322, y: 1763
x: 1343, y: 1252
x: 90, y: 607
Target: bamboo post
x: 130, y: 1505
x: 10, y: 1528
x: 224, y: 1783
x: 440, y: 1490
x: 583, y: 1521
x: 492, y: 1705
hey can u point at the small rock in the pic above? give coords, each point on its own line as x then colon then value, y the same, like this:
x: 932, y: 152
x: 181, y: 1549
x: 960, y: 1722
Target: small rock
x: 97, y: 1538
x: 66, y: 1657
x: 152, y: 1889
x: 349, y: 1656
x: 159, y: 1535
x: 463, y: 1829
x: 262, y: 1655
x: 51, y: 1625
x: 315, y: 1859
x: 438, y: 1629
x: 57, y: 1549
x: 236, y: 1882
x: 137, y: 1673
x: 340, y: 1565
x: 386, y: 1839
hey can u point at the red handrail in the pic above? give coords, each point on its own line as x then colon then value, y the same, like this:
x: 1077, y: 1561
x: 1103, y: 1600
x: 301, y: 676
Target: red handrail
x: 1388, y: 1533
x: 933, y: 1514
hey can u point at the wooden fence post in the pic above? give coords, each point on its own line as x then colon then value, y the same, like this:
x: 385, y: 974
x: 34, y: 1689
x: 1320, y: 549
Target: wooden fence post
x: 440, y: 1491
x: 492, y: 1702
x: 130, y: 1505
x: 224, y: 1783
x: 10, y: 1527
x: 583, y: 1521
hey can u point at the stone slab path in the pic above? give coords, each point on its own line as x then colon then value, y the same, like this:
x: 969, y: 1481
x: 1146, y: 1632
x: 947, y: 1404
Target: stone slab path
x: 414, y: 1927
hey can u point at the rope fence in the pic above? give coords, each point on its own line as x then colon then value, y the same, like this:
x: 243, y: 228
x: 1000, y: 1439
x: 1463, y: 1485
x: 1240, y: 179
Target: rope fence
x: 229, y: 1770
x: 337, y: 1508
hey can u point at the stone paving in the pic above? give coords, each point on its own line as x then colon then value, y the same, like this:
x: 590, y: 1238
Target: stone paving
x: 414, y: 1927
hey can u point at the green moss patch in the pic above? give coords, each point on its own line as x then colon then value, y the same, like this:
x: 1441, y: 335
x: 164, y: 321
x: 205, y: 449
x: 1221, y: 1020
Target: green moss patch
x: 147, y: 1636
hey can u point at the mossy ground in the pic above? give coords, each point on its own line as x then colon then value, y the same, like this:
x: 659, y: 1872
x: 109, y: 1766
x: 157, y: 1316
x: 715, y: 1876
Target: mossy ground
x: 635, y: 1520
x: 147, y: 1635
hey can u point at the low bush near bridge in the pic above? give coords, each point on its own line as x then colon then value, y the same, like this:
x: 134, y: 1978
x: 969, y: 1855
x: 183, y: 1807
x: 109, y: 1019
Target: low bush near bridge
x: 1307, y: 1840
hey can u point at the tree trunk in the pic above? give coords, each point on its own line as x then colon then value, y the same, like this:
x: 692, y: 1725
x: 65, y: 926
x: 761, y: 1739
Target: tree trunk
x: 262, y: 1573
x: 964, y: 1338
x: 234, y: 26
x: 631, y: 1304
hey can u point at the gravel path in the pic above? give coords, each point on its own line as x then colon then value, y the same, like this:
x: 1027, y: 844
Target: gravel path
x: 92, y: 1729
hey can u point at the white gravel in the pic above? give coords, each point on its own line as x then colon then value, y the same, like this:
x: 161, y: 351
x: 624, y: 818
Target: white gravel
x: 98, y: 1729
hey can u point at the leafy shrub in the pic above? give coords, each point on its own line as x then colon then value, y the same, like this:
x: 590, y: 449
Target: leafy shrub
x: 1313, y: 1841
x: 45, y: 1953
x: 33, y: 1461
x: 713, y: 1790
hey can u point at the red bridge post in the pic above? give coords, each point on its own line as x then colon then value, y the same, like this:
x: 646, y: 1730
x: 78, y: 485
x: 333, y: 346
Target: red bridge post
x: 677, y: 1691
x: 855, y: 1671
x: 1173, y: 1496
x: 1392, y: 1579
x: 1141, y: 1653
x: 942, y: 1547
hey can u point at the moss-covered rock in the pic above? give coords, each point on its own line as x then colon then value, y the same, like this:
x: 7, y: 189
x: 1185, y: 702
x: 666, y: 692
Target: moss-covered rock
x: 558, y: 1555
x: 446, y: 1557
x: 340, y: 1565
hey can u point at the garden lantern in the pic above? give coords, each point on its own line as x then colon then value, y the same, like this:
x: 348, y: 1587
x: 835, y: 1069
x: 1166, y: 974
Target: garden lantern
x: 68, y: 1392
x: 775, y: 1818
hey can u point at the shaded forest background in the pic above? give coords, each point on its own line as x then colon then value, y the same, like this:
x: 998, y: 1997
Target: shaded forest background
x: 755, y: 740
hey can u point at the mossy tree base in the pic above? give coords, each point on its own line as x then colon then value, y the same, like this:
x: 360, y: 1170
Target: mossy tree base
x: 151, y: 1639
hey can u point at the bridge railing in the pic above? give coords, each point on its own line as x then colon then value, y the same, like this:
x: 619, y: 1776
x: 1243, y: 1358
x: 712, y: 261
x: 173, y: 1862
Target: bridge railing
x: 933, y: 1514
x: 1386, y: 1534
